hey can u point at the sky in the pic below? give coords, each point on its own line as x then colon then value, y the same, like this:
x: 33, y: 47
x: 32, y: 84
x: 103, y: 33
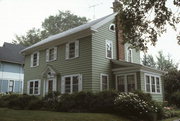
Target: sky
x: 18, y: 16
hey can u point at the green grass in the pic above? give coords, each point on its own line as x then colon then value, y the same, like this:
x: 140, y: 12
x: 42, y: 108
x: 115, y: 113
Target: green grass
x: 27, y: 115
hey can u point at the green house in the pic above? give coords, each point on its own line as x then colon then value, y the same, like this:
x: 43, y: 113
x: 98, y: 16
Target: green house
x: 90, y: 57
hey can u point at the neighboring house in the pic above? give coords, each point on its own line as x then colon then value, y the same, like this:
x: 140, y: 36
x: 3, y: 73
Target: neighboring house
x: 11, y: 68
x: 90, y: 57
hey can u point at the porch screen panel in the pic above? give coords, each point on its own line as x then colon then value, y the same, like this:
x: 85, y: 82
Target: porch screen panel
x: 130, y: 83
x: 121, y: 83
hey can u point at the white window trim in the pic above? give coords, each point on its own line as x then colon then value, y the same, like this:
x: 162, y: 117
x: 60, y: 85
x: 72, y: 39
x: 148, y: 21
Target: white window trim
x: 155, y: 76
x: 110, y: 27
x: 79, y: 83
x: 13, y: 85
x: 55, y: 54
x: 106, y: 41
x: 101, y: 81
x: 125, y: 82
x: 76, y: 49
x: 39, y: 86
x: 31, y: 61
x: 128, y: 55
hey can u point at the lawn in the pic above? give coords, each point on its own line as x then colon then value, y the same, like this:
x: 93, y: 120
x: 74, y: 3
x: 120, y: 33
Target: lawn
x: 28, y: 115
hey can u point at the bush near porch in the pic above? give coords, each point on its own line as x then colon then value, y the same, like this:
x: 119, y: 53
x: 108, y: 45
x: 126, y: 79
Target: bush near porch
x: 102, y: 102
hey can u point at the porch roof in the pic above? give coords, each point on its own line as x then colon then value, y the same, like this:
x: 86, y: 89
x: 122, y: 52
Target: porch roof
x: 119, y: 65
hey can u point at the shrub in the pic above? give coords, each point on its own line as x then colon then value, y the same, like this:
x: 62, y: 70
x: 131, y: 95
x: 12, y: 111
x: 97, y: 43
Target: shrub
x: 35, y: 104
x: 51, y: 100
x: 104, y: 101
x: 175, y: 99
x: 21, y: 101
x: 134, y: 105
x: 4, y: 99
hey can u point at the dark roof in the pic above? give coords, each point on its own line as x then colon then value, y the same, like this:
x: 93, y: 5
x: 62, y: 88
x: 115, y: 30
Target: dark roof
x: 11, y: 53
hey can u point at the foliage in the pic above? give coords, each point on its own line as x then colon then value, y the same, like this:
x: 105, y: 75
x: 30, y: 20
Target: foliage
x: 171, y: 84
x: 143, y: 21
x: 131, y: 104
x: 19, y: 101
x: 175, y: 99
x: 163, y: 63
x: 51, y: 100
x: 149, y: 61
x: 50, y: 26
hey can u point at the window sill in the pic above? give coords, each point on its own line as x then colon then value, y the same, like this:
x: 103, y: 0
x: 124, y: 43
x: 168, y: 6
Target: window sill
x: 72, y: 58
x: 34, y: 66
x: 155, y: 93
x: 51, y: 60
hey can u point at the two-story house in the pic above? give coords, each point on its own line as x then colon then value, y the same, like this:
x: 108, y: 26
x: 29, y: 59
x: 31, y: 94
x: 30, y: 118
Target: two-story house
x: 11, y: 68
x: 90, y: 57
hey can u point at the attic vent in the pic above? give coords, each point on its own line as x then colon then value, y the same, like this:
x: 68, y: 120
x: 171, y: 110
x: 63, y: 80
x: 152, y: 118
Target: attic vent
x: 112, y: 27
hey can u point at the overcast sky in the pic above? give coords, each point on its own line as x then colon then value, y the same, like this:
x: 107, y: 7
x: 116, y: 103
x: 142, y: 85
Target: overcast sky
x: 18, y: 16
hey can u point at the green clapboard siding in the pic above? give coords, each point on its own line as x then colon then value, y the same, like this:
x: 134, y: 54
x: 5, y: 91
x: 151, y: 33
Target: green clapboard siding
x: 100, y: 64
x: 135, y: 54
x: 80, y: 65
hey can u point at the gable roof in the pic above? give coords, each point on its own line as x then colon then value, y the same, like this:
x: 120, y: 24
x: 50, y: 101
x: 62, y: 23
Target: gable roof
x: 91, y: 25
x: 10, y: 53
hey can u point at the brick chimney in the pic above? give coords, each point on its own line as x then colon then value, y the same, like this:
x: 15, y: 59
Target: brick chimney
x: 119, y: 34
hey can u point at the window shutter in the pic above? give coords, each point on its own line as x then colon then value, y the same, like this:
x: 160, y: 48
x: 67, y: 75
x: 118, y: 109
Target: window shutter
x: 55, y: 53
x: 100, y: 82
x: 80, y: 83
x: 31, y: 62
x: 77, y: 48
x: 62, y: 85
x: 28, y: 84
x: 47, y: 55
x: 39, y: 87
x: 37, y: 58
x: 67, y: 51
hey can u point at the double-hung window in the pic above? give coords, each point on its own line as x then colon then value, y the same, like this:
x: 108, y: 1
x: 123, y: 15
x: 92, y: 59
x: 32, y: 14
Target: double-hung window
x: 35, y: 59
x: 51, y: 54
x: 109, y: 49
x: 71, y: 83
x: 129, y: 55
x: 152, y: 83
x: 33, y: 87
x: 72, y: 49
x: 104, y: 82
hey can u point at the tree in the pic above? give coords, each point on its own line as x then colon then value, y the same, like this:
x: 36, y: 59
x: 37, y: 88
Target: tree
x: 143, y: 21
x: 165, y: 63
x: 50, y: 26
x: 149, y: 61
x: 171, y: 83
x: 162, y: 62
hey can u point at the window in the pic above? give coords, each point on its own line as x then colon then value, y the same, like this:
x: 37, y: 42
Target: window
x: 72, y: 49
x: 34, y: 87
x: 51, y: 54
x: 112, y: 27
x: 11, y: 85
x: 126, y: 83
x: 152, y: 83
x: 109, y: 49
x: 71, y: 83
x: 129, y: 55
x: 35, y: 59
x: 104, y: 82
